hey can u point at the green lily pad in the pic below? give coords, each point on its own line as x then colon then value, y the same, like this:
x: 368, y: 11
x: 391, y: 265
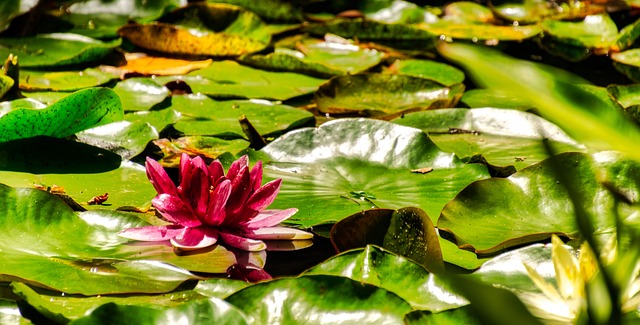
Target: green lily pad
x: 628, y: 63
x: 627, y: 97
x: 127, y: 184
x: 439, y: 72
x: 101, y: 19
x: 396, y: 11
x: 200, y: 312
x: 384, y: 95
x: 124, y: 138
x: 398, y: 35
x: 407, y: 279
x: 45, y: 238
x: 74, y: 113
x: 467, y: 11
x: 311, y: 299
x: 270, y: 10
x: 504, y: 137
x: 350, y: 165
x: 13, y: 8
x: 334, y: 56
x: 202, y: 115
x: 46, y: 97
x: 555, y: 93
x: 63, y: 80
x: 507, y: 269
x: 595, y: 32
x: 64, y: 308
x: 219, y: 288
x: 228, y: 79
x: 481, y: 32
x: 201, y: 29
x: 140, y: 94
x: 158, y: 119
x: 494, y: 215
x: 56, y: 50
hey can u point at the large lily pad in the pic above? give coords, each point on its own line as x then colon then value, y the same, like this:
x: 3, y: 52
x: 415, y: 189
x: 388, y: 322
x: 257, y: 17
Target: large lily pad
x: 79, y: 111
x: 125, y: 138
x: 432, y: 70
x: 481, y: 32
x: 139, y: 94
x: 202, y: 29
x: 228, y: 79
x: 334, y: 56
x: 379, y: 267
x: 498, y: 214
x: 63, y: 80
x: 312, y: 299
x: 44, y: 238
x: 396, y: 11
x: 270, y: 10
x: 55, y: 50
x: 200, y: 312
x: 595, y: 32
x: 384, y: 95
x: 349, y: 165
x: 202, y: 115
x: 62, y: 309
x: 503, y: 136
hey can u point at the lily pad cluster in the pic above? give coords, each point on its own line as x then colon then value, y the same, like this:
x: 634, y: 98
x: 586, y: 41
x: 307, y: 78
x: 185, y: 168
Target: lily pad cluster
x: 430, y: 152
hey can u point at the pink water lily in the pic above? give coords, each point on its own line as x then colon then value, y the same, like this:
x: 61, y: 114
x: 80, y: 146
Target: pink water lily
x: 209, y: 206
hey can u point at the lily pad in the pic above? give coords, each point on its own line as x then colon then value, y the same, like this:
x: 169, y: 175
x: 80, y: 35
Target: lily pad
x: 127, y: 184
x: 396, y: 11
x: 63, y: 80
x: 206, y: 311
x: 407, y: 279
x: 483, y: 97
x: 228, y: 79
x: 461, y: 315
x: 202, y: 29
x: 349, y: 165
x: 270, y: 10
x: 44, y: 238
x: 158, y: 119
x: 595, y: 32
x: 398, y: 35
x: 64, y: 308
x: 481, y: 32
x: 311, y: 299
x: 628, y: 63
x: 439, y: 72
x: 384, y: 95
x: 334, y: 56
x: 530, y: 205
x: 79, y: 111
x: 202, y: 115
x: 627, y: 97
x: 56, y: 50
x: 139, y: 94
x: 124, y: 138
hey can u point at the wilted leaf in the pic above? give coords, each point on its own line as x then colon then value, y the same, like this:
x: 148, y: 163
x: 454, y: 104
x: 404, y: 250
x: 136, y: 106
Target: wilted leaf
x: 138, y: 63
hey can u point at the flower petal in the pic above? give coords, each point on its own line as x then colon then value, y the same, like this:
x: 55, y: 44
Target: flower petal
x: 194, y: 187
x: 278, y: 233
x: 152, y: 233
x: 256, y: 176
x: 216, y: 172
x: 175, y: 210
x: 240, y: 191
x: 264, y: 196
x: 236, y: 166
x: 159, y: 178
x: 248, y: 274
x: 195, y: 238
x: 269, y: 218
x: 243, y: 243
x: 217, y: 201
x: 185, y: 167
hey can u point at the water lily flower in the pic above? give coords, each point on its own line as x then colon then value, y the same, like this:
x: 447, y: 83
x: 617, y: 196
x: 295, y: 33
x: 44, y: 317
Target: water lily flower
x: 562, y: 304
x: 209, y: 206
